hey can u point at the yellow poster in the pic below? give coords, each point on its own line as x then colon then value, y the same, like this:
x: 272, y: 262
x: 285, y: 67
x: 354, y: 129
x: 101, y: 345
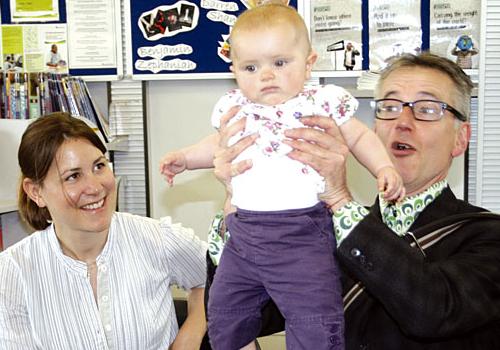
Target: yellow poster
x: 23, y: 11
x: 12, y: 39
x: 12, y: 44
x: 34, y: 5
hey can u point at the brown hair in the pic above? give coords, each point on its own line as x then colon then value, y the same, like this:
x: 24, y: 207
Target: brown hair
x: 39, y: 145
x: 463, y: 84
x: 270, y: 15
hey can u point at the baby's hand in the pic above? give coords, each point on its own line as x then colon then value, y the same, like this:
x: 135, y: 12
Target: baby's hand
x: 172, y: 164
x: 390, y: 183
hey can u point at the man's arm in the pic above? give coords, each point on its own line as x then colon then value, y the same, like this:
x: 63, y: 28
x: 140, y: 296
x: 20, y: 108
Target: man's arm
x: 453, y: 290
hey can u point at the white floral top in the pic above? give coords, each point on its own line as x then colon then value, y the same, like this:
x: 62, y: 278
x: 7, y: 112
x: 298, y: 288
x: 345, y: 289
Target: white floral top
x: 276, y: 182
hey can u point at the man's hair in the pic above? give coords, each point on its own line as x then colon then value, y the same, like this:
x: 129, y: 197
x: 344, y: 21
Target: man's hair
x: 269, y: 16
x: 462, y: 93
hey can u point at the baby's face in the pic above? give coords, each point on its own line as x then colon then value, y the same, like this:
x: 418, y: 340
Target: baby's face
x: 270, y: 65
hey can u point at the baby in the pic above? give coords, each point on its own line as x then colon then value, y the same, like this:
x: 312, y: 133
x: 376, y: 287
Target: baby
x: 281, y: 241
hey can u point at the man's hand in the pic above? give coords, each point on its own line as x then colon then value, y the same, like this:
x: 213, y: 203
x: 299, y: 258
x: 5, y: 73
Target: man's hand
x: 321, y: 145
x: 224, y: 156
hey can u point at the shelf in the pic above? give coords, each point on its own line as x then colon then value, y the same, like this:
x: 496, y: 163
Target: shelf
x: 6, y: 206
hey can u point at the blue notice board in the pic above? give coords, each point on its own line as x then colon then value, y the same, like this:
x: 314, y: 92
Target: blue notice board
x: 112, y: 73
x: 182, y: 39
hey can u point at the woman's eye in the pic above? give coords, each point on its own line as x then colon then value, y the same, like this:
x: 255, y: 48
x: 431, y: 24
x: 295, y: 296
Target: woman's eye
x: 72, y: 177
x: 101, y: 165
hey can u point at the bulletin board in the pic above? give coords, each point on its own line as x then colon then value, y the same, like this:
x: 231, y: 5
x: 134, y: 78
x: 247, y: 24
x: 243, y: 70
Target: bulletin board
x: 182, y: 39
x: 87, y: 34
x: 380, y: 31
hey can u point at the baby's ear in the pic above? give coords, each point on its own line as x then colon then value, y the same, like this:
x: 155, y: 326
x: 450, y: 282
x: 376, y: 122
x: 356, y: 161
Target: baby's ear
x: 231, y: 68
x: 310, y: 60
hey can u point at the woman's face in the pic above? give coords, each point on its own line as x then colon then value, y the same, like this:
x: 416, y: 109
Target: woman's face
x: 79, y: 190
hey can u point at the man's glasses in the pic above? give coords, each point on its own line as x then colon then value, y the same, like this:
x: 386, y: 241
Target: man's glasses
x: 425, y: 110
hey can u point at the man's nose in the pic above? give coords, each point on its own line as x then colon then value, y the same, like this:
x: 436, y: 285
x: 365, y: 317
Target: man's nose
x: 406, y: 118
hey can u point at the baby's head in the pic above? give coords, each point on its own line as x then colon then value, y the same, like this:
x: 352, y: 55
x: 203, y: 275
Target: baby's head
x: 271, y: 53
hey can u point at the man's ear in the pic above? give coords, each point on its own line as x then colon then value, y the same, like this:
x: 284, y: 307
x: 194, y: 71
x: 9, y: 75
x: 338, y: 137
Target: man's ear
x: 461, y: 139
x: 310, y: 60
x: 33, y: 190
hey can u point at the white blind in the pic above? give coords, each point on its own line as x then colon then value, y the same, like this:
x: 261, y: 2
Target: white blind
x: 487, y: 171
x: 128, y: 113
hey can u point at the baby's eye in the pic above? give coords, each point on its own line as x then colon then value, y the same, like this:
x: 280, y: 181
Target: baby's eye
x: 280, y: 63
x: 250, y: 68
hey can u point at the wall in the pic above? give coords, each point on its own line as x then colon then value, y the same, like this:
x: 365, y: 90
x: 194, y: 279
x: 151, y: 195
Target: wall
x: 179, y: 115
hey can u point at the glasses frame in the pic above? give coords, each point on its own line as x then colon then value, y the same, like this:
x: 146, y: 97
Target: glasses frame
x: 444, y: 107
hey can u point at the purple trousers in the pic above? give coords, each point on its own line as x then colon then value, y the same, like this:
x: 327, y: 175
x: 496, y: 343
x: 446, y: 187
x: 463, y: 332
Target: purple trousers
x: 287, y: 256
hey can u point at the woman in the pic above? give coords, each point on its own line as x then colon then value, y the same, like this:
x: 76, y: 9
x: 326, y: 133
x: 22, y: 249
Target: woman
x: 92, y: 278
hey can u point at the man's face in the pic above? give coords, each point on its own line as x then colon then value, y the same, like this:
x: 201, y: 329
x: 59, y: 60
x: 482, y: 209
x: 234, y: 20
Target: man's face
x: 422, y: 151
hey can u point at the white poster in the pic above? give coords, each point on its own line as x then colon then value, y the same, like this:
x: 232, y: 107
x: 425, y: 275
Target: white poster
x: 336, y: 34
x: 395, y: 28
x: 45, y: 48
x: 92, y: 34
x: 454, y: 30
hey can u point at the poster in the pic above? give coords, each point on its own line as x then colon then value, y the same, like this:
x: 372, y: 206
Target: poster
x: 35, y: 48
x: 1, y: 46
x: 92, y: 34
x: 183, y: 39
x: 336, y: 34
x: 454, y: 31
x: 34, y: 10
x: 12, y: 48
x: 395, y: 28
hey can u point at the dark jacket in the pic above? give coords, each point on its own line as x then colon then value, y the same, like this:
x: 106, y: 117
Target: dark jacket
x: 448, y: 300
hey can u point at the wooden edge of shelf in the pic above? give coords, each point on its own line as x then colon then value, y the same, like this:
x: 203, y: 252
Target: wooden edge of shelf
x: 7, y: 206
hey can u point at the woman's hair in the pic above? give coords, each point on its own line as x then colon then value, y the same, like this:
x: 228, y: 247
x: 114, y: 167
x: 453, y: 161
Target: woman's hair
x: 463, y: 84
x: 39, y: 145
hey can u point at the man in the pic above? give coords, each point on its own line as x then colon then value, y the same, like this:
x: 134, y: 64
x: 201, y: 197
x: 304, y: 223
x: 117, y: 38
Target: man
x: 350, y: 54
x: 446, y: 296
x: 54, y: 57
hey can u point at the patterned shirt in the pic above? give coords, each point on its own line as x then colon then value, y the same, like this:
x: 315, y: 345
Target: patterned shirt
x: 275, y: 181
x: 47, y: 302
x: 398, y: 216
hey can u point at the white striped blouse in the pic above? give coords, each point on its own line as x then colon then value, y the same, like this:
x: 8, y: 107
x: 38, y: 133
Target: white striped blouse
x: 46, y: 301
